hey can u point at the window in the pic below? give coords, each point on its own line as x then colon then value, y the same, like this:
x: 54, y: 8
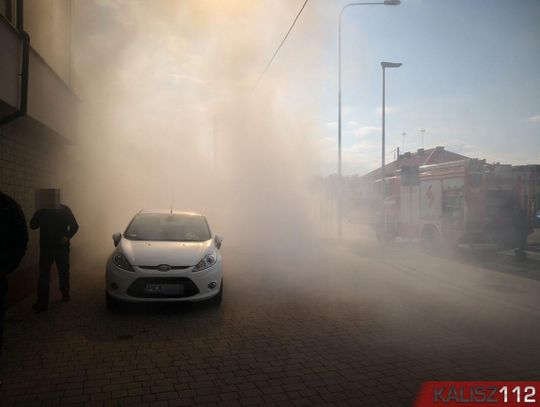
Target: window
x: 168, y: 227
x: 475, y: 180
x: 452, y: 209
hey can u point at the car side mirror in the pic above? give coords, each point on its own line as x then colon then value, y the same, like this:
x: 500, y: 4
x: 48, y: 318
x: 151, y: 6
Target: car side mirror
x: 218, y: 240
x: 116, y: 238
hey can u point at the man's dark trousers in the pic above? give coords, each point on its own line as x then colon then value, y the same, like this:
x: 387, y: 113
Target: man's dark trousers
x: 48, y: 256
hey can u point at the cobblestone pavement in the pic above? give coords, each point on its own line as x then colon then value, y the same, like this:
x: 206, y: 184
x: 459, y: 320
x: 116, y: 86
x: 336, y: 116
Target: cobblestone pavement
x: 342, y: 326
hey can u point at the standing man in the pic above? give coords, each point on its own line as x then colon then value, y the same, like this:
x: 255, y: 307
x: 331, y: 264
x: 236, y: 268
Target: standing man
x: 58, y: 226
x: 13, y: 243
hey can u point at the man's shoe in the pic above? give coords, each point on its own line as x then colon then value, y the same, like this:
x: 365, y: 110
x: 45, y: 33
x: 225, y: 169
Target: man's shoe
x: 66, y: 297
x: 39, y: 307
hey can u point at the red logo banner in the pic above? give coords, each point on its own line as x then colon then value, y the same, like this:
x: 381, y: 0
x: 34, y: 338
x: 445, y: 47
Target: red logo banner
x: 479, y: 393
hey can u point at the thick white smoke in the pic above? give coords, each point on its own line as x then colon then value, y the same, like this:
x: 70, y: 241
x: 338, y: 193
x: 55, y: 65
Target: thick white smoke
x: 170, y: 112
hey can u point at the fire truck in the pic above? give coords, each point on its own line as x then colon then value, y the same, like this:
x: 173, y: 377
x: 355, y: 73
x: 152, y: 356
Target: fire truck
x: 466, y: 203
x: 527, y: 188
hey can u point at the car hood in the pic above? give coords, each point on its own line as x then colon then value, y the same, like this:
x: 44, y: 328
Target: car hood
x: 151, y: 253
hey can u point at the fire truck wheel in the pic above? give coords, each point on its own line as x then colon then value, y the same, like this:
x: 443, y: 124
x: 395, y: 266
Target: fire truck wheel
x: 430, y: 239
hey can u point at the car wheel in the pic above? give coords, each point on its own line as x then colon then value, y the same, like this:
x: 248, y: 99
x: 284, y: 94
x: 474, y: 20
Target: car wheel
x: 216, y: 300
x: 111, y: 302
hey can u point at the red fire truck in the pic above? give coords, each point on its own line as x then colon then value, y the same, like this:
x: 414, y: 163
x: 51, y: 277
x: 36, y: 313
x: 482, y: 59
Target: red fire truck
x: 467, y: 203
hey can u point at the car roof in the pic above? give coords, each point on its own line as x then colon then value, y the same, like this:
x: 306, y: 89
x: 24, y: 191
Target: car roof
x: 169, y: 212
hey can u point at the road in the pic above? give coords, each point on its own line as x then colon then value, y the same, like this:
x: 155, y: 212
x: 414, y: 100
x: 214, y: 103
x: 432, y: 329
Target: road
x: 344, y: 325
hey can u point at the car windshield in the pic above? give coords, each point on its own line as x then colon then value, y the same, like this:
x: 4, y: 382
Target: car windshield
x: 166, y: 227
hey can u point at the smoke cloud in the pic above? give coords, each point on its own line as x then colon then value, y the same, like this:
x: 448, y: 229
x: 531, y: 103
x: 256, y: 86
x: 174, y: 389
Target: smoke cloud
x: 171, y: 113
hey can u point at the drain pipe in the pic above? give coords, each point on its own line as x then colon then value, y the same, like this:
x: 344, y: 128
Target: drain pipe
x: 23, y: 93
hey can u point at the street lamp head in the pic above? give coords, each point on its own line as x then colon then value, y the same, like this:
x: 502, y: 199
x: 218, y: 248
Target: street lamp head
x: 392, y: 2
x: 391, y: 64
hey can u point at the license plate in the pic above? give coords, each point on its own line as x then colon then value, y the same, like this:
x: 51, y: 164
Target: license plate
x: 164, y: 289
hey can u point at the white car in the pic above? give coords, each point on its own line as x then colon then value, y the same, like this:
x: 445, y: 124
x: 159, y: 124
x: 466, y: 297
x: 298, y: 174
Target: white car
x: 165, y: 256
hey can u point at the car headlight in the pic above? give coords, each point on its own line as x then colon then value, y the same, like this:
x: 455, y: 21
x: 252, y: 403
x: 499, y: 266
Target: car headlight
x: 207, y: 261
x: 121, y: 261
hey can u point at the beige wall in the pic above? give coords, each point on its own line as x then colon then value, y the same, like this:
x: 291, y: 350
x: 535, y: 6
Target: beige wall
x: 48, y: 22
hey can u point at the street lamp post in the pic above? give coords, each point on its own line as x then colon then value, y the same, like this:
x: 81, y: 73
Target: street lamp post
x: 384, y: 65
x: 384, y: 3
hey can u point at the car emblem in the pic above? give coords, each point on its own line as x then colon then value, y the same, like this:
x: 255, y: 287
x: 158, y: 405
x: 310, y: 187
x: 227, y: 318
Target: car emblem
x: 164, y: 267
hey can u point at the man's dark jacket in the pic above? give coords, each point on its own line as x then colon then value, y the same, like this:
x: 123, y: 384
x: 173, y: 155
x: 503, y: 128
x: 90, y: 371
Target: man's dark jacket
x: 54, y: 225
x: 13, y: 235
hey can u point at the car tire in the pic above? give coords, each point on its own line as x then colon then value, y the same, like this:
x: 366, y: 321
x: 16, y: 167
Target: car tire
x: 216, y: 300
x: 112, y: 303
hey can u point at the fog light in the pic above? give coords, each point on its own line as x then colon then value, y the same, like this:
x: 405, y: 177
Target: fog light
x: 212, y: 285
x: 114, y: 286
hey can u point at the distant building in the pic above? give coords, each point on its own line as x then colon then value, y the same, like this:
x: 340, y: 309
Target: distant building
x: 38, y: 108
x: 421, y: 157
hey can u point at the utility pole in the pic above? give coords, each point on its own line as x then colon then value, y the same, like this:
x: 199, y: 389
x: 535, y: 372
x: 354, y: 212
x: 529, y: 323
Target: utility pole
x: 339, y: 171
x: 384, y: 65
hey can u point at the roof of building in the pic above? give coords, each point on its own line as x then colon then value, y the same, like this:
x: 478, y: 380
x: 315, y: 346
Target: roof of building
x: 435, y: 155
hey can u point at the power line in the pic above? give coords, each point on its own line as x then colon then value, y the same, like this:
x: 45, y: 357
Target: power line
x: 282, y: 42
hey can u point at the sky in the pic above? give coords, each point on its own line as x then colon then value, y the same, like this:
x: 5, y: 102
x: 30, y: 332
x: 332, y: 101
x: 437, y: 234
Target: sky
x: 469, y: 78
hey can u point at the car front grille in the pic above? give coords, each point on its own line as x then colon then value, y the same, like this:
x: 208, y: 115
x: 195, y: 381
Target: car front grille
x: 139, y: 288
x: 171, y: 267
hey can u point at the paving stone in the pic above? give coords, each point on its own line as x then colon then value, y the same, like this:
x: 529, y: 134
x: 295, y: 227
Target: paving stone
x: 266, y: 345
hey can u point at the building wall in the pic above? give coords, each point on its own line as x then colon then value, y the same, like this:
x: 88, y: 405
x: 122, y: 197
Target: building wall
x: 33, y: 149
x: 48, y: 22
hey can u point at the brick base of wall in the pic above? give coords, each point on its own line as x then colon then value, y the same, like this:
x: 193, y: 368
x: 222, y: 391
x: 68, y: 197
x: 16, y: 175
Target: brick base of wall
x: 22, y: 283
